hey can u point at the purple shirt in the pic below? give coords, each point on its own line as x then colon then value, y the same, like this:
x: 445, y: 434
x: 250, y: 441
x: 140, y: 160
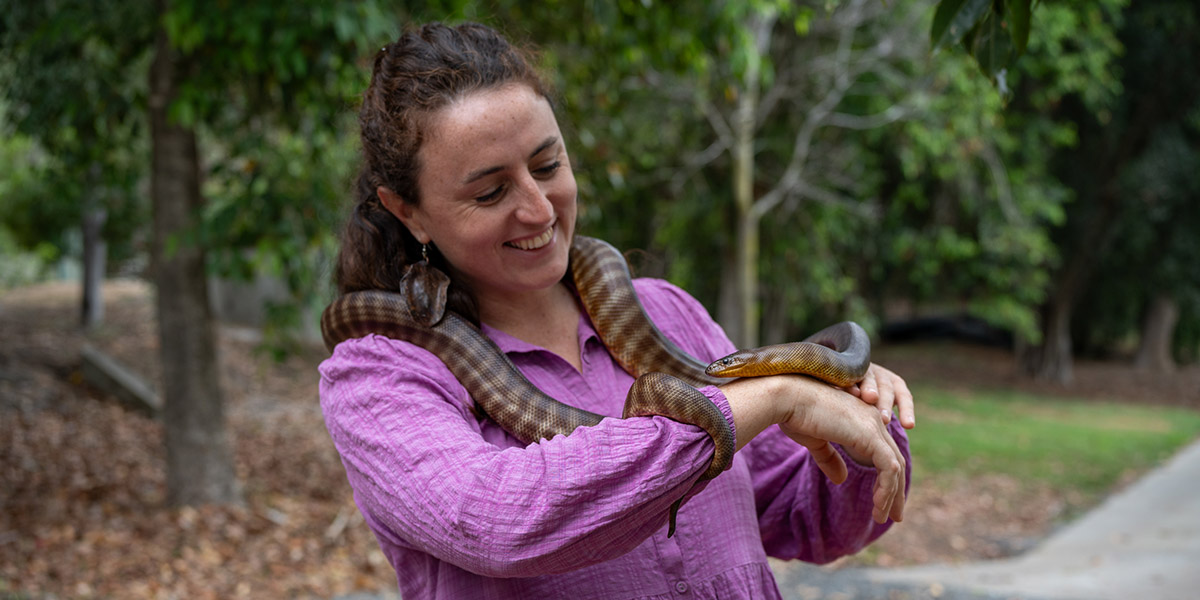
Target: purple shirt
x: 463, y: 510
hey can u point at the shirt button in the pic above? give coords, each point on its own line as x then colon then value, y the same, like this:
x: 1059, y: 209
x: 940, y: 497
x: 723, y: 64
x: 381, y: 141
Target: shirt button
x: 681, y: 587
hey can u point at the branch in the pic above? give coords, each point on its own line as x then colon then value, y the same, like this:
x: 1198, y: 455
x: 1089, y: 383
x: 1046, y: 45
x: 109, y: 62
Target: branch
x: 847, y: 121
x: 793, y: 173
x: 719, y: 124
x: 1003, y: 190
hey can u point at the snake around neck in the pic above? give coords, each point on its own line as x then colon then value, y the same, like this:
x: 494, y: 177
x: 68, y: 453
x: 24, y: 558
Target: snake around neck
x: 666, y: 376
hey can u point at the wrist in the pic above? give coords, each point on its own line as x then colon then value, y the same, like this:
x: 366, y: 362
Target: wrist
x: 754, y: 403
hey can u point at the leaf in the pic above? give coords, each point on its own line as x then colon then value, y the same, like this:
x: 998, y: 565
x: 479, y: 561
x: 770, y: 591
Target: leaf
x: 954, y: 18
x: 1018, y: 22
x: 992, y: 47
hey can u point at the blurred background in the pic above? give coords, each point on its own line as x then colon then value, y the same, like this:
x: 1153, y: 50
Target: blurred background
x: 1003, y: 194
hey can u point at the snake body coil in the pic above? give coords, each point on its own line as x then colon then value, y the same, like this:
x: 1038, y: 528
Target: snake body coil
x: 667, y: 376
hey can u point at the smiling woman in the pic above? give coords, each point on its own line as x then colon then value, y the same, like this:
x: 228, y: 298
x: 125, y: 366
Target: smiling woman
x: 497, y: 198
x: 466, y: 172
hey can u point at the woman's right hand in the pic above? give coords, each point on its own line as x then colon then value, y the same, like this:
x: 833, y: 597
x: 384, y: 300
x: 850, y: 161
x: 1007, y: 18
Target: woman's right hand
x: 815, y: 415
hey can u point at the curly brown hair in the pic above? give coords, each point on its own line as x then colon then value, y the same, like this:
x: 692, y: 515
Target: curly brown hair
x: 414, y: 77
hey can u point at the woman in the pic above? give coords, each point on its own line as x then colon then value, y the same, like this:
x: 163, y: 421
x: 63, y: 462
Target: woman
x: 465, y: 164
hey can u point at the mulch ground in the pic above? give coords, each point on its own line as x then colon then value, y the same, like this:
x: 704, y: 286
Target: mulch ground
x: 82, y: 482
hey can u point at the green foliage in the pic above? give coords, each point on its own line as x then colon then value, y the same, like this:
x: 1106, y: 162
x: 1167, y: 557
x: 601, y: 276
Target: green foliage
x: 18, y: 266
x: 271, y: 88
x: 24, y: 185
x: 994, y: 32
x: 1135, y: 173
x: 73, y: 81
x: 1156, y: 247
x: 947, y: 207
x: 286, y: 63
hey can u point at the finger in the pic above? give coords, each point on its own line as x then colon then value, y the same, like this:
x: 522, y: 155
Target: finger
x: 869, y: 387
x: 889, y: 494
x: 904, y: 400
x: 887, y: 394
x: 897, y: 508
x: 828, y: 460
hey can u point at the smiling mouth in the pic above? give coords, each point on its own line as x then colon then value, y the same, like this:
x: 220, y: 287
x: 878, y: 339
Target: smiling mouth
x: 535, y: 242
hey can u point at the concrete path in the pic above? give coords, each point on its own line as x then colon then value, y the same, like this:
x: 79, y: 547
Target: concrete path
x: 1142, y: 543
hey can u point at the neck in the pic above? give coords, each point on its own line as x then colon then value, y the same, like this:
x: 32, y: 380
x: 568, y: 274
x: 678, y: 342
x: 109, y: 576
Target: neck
x: 526, y: 310
x: 548, y: 318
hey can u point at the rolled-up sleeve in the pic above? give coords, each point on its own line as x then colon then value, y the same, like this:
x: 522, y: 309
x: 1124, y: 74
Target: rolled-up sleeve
x: 802, y: 514
x: 426, y: 479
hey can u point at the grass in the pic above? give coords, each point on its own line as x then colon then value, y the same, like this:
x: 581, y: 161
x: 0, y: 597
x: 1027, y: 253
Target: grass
x: 1077, y: 445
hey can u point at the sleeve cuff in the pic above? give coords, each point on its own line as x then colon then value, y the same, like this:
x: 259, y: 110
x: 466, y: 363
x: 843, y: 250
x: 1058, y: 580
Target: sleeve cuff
x: 715, y: 394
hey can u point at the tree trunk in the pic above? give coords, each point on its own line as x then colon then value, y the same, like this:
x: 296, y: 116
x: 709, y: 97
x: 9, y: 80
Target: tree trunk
x: 199, y: 457
x: 747, y: 235
x: 1154, y: 351
x: 95, y: 254
x: 729, y: 308
x: 739, y: 307
x: 1052, y: 360
x: 775, y: 319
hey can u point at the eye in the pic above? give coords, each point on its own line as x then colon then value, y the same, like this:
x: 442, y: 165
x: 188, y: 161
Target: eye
x: 548, y: 170
x: 490, y: 196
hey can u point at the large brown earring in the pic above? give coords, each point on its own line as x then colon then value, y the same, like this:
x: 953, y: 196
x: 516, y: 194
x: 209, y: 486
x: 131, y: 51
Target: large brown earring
x: 424, y: 288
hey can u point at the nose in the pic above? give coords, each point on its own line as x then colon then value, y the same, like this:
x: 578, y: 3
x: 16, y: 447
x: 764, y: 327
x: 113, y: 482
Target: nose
x: 534, y: 206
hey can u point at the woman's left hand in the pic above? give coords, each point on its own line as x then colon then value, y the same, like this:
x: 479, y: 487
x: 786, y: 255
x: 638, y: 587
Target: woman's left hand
x: 885, y: 389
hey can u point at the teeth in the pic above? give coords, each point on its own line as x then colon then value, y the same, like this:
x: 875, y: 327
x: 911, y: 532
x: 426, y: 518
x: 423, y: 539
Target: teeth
x: 535, y: 243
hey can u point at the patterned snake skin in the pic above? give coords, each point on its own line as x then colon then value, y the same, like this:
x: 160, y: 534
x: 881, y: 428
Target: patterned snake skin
x: 667, y: 376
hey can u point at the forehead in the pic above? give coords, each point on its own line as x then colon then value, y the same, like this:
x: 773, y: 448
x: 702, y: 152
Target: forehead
x: 505, y: 116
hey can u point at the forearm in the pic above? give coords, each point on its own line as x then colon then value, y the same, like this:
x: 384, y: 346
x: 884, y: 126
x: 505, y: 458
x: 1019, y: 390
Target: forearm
x: 518, y: 511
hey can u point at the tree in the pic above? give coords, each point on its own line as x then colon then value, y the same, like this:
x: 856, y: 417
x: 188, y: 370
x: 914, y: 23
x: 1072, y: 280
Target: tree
x: 1160, y: 42
x: 199, y: 451
x: 239, y: 76
x: 225, y: 85
x: 718, y: 112
x: 70, y: 88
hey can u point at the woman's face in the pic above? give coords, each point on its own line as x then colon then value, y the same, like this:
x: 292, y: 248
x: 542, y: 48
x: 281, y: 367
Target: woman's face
x: 497, y: 192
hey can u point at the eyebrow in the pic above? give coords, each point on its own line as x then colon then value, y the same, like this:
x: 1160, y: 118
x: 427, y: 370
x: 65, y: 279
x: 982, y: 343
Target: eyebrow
x: 484, y: 172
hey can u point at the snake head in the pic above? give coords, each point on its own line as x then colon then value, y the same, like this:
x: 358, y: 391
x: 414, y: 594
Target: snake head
x: 728, y: 366
x: 424, y: 289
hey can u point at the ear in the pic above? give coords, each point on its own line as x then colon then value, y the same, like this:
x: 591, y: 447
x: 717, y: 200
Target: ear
x: 407, y: 213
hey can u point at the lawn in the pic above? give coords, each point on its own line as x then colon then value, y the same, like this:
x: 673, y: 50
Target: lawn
x: 1000, y: 462
x: 1079, y: 445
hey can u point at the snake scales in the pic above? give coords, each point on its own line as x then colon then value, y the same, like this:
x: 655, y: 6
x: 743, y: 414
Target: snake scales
x: 667, y: 376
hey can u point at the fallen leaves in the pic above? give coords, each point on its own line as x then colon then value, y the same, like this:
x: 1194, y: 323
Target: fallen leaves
x: 82, y: 481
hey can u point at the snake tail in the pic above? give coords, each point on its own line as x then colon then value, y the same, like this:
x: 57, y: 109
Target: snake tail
x: 659, y: 394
